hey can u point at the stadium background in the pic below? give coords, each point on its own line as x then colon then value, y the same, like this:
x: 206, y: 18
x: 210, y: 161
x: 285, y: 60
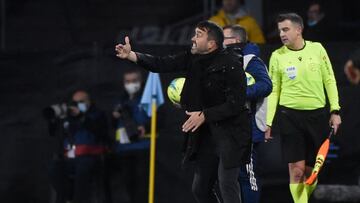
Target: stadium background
x: 51, y: 47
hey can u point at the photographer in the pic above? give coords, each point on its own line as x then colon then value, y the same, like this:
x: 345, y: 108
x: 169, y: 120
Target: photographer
x: 84, y: 144
x: 131, y: 144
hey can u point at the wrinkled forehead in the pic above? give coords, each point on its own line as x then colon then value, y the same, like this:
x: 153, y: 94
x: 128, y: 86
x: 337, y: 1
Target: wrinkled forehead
x: 286, y: 24
x: 201, y: 30
x: 227, y: 32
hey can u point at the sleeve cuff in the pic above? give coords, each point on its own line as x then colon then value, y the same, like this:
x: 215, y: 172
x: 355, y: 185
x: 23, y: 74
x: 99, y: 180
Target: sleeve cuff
x: 336, y: 112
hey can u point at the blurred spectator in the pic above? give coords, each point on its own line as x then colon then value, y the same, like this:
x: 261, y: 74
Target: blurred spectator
x: 352, y: 68
x: 272, y: 32
x: 318, y: 28
x: 75, y: 172
x: 233, y: 12
x: 131, y: 143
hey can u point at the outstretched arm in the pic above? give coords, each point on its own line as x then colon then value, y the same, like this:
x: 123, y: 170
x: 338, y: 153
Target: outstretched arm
x: 165, y: 64
x: 123, y: 51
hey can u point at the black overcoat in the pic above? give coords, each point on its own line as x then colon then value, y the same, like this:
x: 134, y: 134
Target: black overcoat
x: 215, y: 84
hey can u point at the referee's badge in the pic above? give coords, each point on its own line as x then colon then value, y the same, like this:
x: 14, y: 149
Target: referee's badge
x: 291, y: 72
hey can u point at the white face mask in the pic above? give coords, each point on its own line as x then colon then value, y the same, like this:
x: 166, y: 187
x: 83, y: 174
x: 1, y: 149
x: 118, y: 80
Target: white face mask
x: 82, y: 107
x: 132, y: 88
x: 312, y: 23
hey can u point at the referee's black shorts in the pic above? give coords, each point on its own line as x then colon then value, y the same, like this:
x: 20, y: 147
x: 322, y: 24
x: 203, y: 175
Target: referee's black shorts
x: 302, y: 132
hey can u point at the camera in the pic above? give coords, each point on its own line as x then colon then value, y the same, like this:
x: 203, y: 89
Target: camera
x: 128, y: 121
x: 58, y: 111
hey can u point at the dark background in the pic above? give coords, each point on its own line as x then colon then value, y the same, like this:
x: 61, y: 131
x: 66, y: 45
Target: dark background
x: 52, y: 47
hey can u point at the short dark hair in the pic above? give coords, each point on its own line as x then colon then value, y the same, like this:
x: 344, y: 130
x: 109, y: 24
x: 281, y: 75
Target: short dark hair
x: 132, y: 70
x: 238, y: 31
x: 315, y: 2
x: 293, y: 17
x: 213, y: 30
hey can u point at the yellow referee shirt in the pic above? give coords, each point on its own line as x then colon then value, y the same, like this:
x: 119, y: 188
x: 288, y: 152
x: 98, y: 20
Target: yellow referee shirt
x: 299, y: 78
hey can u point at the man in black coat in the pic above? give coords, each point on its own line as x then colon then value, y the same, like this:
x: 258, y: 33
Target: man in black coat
x: 213, y: 96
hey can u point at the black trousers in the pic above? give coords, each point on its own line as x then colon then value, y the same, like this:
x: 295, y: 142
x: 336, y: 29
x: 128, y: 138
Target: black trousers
x: 130, y: 172
x: 74, y: 179
x: 210, y: 174
x: 302, y: 132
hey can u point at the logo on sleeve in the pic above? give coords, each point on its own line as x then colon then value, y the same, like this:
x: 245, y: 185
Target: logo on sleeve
x: 291, y: 72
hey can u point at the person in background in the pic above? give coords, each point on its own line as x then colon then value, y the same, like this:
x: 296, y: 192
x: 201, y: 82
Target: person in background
x: 233, y: 12
x: 85, y: 143
x: 318, y: 27
x: 132, y: 144
x: 235, y: 38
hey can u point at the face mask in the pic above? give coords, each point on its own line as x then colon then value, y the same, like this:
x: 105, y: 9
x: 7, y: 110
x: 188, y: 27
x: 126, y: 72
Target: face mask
x: 132, y: 88
x: 82, y: 107
x: 311, y: 23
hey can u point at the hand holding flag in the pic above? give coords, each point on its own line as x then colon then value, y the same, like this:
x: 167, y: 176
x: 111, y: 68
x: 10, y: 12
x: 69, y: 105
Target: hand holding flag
x: 320, y: 159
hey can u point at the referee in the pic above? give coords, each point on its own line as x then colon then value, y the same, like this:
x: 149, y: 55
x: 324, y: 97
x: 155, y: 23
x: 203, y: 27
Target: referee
x: 301, y: 72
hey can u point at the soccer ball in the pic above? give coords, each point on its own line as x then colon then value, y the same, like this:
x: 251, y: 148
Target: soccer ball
x: 176, y: 86
x: 250, y: 80
x: 174, y: 90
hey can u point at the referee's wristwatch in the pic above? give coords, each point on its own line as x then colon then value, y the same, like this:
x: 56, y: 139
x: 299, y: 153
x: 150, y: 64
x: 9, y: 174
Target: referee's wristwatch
x: 336, y: 112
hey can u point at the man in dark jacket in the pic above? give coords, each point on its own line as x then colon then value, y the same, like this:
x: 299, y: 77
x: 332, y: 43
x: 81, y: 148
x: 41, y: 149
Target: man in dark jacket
x: 319, y: 27
x: 214, y: 99
x: 132, y: 142
x: 236, y: 39
x: 84, y: 146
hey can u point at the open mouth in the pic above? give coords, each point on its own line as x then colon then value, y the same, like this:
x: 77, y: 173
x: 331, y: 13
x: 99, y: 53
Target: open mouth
x: 193, y: 46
